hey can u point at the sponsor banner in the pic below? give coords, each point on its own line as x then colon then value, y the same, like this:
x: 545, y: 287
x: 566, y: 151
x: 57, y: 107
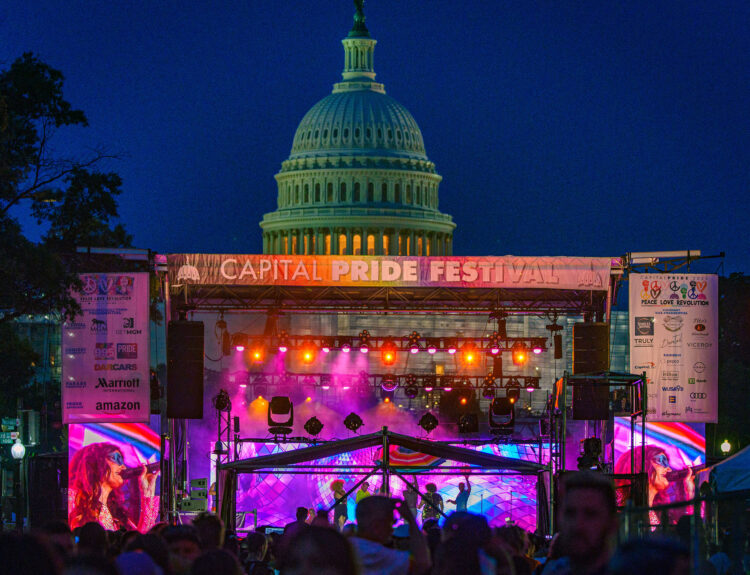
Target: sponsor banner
x: 479, y: 272
x: 114, y: 454
x: 105, y: 351
x: 674, y: 334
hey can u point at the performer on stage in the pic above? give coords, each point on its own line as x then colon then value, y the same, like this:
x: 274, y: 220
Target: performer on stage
x: 95, y: 491
x: 462, y: 498
x: 411, y: 496
x: 363, y: 491
x: 340, y: 514
x: 432, y: 496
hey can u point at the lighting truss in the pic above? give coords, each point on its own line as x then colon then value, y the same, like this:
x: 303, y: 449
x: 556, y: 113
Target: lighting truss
x: 492, y: 344
x: 422, y: 380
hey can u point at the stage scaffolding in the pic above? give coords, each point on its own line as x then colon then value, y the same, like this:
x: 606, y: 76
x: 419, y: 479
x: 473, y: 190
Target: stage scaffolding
x: 298, y: 461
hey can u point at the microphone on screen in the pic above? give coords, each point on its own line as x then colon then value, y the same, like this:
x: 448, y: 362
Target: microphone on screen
x: 136, y: 471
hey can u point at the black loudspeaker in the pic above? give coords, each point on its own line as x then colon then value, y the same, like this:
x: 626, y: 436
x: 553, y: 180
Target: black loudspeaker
x: 558, y: 346
x: 185, y: 370
x: 590, y: 354
x: 48, y: 488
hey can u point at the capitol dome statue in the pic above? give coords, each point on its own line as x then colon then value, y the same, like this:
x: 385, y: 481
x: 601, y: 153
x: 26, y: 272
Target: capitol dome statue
x: 358, y: 180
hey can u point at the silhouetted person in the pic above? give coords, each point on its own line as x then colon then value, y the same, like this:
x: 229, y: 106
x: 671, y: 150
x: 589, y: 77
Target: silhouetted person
x: 375, y: 531
x: 588, y: 525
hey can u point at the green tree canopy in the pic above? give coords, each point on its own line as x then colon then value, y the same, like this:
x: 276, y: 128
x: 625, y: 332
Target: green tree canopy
x: 68, y: 194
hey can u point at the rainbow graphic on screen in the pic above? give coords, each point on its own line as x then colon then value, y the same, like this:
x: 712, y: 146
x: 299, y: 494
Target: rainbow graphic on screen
x: 274, y: 497
x: 684, y: 443
x: 112, y: 448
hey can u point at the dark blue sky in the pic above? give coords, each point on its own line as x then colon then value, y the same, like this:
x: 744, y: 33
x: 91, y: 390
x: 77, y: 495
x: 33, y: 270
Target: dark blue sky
x: 560, y: 128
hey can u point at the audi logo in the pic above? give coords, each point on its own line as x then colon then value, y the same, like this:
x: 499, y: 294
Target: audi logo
x: 697, y: 396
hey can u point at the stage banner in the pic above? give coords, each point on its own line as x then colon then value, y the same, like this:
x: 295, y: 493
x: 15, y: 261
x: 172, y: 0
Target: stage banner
x: 565, y: 273
x: 674, y: 334
x: 105, y: 351
x: 123, y: 457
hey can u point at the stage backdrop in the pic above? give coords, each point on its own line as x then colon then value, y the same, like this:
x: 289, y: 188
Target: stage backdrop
x: 138, y: 443
x: 674, y: 334
x: 105, y: 366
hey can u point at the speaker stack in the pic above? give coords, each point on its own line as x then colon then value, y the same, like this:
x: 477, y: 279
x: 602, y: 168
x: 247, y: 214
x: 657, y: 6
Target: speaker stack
x: 590, y: 355
x: 185, y: 370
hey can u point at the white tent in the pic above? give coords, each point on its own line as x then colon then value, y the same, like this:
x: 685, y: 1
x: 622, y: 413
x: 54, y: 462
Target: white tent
x: 732, y: 474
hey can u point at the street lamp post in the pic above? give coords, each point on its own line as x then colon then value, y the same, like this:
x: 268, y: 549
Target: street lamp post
x: 726, y: 447
x: 18, y: 451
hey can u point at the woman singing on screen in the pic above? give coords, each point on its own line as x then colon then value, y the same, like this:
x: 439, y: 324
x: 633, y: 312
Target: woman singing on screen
x: 96, y: 491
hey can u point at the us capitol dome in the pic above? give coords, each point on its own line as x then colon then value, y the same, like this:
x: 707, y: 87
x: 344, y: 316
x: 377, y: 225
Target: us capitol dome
x: 358, y: 179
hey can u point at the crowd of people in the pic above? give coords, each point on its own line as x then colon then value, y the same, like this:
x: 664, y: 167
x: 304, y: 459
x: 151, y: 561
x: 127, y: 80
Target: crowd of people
x: 386, y: 539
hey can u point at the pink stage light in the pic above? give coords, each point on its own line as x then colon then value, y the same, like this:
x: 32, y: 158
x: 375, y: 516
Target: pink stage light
x: 495, y: 350
x: 346, y: 348
x: 239, y: 347
x: 447, y: 389
x: 530, y: 389
x: 414, y: 350
x: 243, y: 385
x: 537, y: 349
x: 325, y: 349
x: 364, y: 349
x: 428, y: 389
x: 283, y: 348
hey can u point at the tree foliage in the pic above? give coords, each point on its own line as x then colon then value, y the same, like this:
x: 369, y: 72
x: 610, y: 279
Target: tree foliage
x: 66, y: 193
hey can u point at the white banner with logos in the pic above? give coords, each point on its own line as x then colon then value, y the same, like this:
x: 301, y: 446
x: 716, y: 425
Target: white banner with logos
x: 105, y: 351
x: 674, y: 334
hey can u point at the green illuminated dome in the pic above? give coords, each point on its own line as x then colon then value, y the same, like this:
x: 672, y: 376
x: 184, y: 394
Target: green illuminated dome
x: 358, y: 179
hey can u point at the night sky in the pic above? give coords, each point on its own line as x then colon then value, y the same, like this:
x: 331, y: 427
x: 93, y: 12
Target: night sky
x: 560, y: 128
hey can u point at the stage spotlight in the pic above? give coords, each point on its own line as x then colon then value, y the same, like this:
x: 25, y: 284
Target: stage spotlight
x: 428, y: 422
x: 513, y: 394
x: 388, y: 352
x: 353, y: 422
x: 488, y: 388
x: 451, y: 347
x: 364, y: 341
x: 387, y: 396
x: 308, y: 352
x: 520, y: 353
x: 257, y: 353
x: 413, y: 343
x: 469, y: 354
x: 446, y: 382
x: 537, y: 347
x: 494, y: 344
x: 411, y: 391
x: 468, y: 423
x: 283, y: 342
x: 280, y: 406
x: 465, y: 392
x: 325, y: 345
x: 346, y: 345
x: 532, y: 383
x: 325, y: 381
x: 429, y: 383
x: 389, y: 382
x: 313, y: 426
x: 432, y: 346
x: 222, y: 402
x: 501, y: 415
x: 239, y: 341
